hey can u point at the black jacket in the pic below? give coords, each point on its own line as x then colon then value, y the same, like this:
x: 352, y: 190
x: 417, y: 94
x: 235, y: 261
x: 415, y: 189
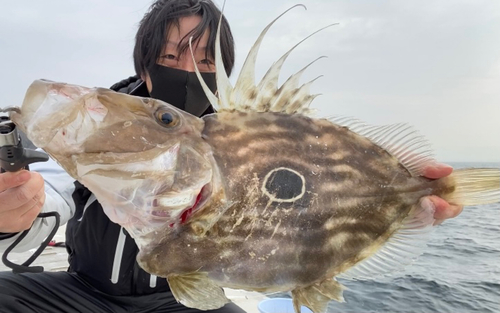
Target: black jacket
x: 100, y: 251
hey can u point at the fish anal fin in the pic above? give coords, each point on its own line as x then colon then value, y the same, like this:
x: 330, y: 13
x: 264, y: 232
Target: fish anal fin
x: 316, y: 297
x: 405, y: 243
x: 197, y: 291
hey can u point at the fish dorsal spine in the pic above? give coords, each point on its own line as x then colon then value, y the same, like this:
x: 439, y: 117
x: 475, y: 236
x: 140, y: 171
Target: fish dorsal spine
x: 266, y: 96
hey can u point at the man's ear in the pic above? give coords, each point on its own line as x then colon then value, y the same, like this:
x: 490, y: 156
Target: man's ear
x: 145, y: 78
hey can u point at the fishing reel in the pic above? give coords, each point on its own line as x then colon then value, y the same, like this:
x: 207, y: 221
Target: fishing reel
x: 14, y: 157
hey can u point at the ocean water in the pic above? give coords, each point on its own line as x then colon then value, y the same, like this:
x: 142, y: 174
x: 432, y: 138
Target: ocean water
x: 458, y: 272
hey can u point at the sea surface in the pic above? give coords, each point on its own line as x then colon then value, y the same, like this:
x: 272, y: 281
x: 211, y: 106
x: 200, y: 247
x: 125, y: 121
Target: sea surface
x: 458, y: 272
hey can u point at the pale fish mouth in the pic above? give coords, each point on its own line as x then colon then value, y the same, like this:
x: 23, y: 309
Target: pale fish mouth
x: 182, y: 215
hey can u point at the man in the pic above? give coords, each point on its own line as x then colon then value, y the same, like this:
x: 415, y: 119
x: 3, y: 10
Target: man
x: 103, y: 275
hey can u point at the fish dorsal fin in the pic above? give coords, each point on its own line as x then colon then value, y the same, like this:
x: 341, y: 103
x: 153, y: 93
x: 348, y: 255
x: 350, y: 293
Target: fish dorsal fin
x: 402, y: 141
x: 214, y: 101
x: 402, y: 248
x: 266, y: 96
x: 283, y: 94
x: 245, y: 91
x: 224, y: 86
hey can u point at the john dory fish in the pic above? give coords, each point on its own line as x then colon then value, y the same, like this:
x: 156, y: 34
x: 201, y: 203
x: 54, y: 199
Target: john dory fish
x: 258, y: 196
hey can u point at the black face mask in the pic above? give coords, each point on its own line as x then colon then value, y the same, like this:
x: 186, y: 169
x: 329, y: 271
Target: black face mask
x: 180, y: 88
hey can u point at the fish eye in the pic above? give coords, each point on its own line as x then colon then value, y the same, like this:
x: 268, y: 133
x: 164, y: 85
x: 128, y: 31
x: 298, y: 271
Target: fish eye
x: 167, y: 118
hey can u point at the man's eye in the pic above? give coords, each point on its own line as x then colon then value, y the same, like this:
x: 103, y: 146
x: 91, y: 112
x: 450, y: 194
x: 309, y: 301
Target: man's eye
x: 169, y: 57
x: 206, y: 62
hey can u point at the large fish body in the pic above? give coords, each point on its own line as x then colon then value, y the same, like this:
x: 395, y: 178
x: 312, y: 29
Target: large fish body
x: 259, y: 196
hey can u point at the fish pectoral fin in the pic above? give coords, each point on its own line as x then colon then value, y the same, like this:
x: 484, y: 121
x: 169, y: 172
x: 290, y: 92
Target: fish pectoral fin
x: 197, y: 291
x: 317, y: 296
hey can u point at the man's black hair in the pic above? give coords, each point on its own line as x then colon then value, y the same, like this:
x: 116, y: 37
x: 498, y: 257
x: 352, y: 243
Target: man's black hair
x: 164, y: 14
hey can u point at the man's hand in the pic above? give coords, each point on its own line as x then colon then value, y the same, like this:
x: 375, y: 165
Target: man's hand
x: 22, y: 196
x: 443, y: 209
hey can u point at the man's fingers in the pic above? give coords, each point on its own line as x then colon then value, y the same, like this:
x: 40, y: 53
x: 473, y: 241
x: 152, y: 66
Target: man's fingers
x: 21, y: 200
x: 23, y: 222
x: 21, y: 218
x: 36, y: 203
x: 443, y: 210
x: 437, y: 170
x: 26, y: 194
x: 13, y: 179
x: 28, y: 217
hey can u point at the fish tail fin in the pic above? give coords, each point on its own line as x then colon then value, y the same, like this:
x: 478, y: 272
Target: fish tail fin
x: 473, y: 186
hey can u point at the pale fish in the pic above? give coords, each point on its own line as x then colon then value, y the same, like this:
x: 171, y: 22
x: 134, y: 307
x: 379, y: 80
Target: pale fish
x: 258, y: 196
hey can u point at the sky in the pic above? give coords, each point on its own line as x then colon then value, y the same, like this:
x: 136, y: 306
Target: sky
x: 432, y: 64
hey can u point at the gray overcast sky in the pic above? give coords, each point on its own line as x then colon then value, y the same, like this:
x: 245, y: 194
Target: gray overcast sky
x: 432, y: 64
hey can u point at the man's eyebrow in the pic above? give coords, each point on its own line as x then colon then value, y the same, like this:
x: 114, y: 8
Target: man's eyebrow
x: 176, y: 44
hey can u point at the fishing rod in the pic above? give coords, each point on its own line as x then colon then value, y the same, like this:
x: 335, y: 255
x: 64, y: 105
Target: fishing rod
x: 14, y: 157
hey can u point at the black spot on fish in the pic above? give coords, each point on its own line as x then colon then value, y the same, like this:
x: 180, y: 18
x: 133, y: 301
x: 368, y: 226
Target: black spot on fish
x: 284, y: 184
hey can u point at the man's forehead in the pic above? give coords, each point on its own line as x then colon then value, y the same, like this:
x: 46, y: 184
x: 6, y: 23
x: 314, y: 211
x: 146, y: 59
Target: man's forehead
x: 184, y: 26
